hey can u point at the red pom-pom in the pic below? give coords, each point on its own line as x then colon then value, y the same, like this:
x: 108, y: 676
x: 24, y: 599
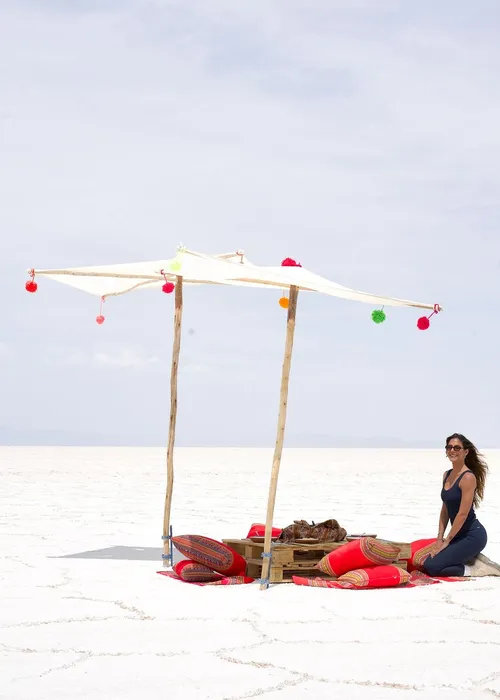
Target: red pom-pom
x: 100, y: 319
x: 289, y: 262
x: 168, y: 287
x: 423, y: 323
x: 31, y: 286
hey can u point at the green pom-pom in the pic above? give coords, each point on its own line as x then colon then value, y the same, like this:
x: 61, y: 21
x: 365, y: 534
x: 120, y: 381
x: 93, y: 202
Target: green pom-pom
x: 378, y: 316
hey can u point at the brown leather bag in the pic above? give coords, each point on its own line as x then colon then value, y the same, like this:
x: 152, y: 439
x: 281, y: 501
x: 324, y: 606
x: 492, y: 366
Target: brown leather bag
x: 328, y: 531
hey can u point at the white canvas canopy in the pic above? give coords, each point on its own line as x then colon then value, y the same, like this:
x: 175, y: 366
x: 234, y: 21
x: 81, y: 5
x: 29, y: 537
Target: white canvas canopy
x: 231, y: 269
x: 197, y: 268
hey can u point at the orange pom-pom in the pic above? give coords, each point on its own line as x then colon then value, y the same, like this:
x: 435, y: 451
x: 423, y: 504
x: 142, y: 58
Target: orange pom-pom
x: 284, y: 302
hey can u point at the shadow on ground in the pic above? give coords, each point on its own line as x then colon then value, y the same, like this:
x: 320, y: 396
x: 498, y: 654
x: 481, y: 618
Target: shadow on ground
x: 122, y: 553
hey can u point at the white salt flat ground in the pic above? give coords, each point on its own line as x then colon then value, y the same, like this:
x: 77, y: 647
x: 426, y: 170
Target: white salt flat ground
x: 105, y: 626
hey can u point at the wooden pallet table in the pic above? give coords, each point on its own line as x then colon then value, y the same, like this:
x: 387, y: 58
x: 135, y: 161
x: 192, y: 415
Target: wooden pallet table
x: 295, y: 559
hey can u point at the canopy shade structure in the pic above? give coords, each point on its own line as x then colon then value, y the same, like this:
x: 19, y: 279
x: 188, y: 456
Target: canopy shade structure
x: 196, y: 268
x: 230, y: 269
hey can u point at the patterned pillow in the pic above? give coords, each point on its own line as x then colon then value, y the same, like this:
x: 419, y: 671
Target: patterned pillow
x: 375, y: 577
x: 315, y: 582
x: 367, y: 551
x: 215, y: 555
x: 420, y: 550
x: 197, y: 573
x: 371, y: 577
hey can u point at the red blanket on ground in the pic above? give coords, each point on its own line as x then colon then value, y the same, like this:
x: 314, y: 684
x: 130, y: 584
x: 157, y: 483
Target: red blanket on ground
x: 227, y: 581
x: 417, y: 578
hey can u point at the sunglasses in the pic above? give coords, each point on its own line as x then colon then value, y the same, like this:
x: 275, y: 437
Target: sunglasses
x: 454, y: 448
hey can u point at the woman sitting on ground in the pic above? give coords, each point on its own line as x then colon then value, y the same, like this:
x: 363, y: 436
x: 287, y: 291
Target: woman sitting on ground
x: 463, y: 489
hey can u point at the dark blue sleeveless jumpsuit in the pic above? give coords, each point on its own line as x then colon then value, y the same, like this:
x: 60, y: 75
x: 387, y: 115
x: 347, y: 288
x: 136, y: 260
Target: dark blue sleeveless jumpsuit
x: 466, y: 545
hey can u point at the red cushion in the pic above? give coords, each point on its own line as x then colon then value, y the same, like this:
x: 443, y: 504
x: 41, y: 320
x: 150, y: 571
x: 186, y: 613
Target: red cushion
x: 215, y: 555
x: 371, y: 577
x: 375, y: 577
x: 367, y: 551
x: 189, y: 570
x: 420, y: 550
x: 259, y: 530
x: 314, y: 582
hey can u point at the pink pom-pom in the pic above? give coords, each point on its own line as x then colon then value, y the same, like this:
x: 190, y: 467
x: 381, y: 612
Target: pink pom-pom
x: 423, y: 323
x: 168, y: 287
x: 289, y: 262
x: 100, y: 319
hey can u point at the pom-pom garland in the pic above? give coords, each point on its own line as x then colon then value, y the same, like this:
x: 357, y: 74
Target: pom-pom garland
x: 378, y: 315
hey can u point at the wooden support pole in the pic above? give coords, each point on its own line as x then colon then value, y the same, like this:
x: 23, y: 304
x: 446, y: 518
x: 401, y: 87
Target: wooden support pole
x: 167, y: 544
x: 280, y: 437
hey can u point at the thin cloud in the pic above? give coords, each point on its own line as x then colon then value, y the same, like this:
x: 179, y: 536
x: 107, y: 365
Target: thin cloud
x: 125, y: 359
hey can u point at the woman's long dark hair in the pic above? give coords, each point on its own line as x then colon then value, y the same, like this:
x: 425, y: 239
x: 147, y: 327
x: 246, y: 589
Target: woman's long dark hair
x: 476, y: 463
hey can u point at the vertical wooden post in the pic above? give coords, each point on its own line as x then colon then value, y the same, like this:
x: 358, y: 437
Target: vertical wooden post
x: 280, y: 437
x: 167, y: 548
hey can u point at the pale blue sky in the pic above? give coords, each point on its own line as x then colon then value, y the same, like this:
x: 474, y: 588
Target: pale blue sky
x: 359, y: 137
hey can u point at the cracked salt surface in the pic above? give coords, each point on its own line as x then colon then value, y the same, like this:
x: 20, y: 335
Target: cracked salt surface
x: 84, y: 615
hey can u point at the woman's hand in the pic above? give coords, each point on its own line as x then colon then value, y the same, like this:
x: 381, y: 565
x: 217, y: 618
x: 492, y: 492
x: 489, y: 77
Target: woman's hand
x: 438, y: 547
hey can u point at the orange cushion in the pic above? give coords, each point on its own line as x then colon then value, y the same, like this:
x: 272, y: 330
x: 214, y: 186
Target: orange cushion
x: 367, y: 551
x: 215, y: 555
x: 189, y: 570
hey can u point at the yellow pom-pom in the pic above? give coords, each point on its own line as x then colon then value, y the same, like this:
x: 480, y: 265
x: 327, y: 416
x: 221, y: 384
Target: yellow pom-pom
x: 284, y: 303
x: 175, y: 266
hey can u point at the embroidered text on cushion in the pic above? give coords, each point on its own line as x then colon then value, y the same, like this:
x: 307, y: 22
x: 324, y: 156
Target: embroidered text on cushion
x: 193, y: 571
x: 357, y: 554
x: 216, y: 555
